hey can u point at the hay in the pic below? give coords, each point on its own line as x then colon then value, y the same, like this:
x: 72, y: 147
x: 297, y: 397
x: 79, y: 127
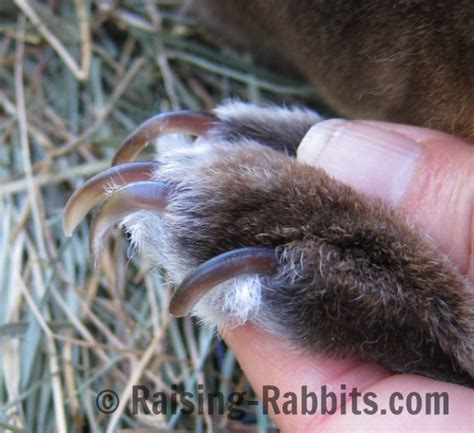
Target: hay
x: 75, y: 78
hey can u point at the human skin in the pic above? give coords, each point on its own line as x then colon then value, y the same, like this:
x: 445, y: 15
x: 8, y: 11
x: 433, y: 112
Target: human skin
x: 430, y: 179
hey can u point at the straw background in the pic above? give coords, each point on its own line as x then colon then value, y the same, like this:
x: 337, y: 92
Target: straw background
x: 76, y: 77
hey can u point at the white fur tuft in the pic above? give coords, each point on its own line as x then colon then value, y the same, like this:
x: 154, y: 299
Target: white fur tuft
x: 238, y: 300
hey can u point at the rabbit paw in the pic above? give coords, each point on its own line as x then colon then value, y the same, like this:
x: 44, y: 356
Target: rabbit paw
x: 246, y: 232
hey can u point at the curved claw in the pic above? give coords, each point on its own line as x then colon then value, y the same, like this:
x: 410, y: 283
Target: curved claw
x: 250, y: 260
x: 186, y: 121
x: 145, y: 195
x: 86, y: 197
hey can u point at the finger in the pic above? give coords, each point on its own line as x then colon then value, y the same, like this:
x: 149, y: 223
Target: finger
x: 427, y: 174
x: 265, y: 362
x: 415, y: 396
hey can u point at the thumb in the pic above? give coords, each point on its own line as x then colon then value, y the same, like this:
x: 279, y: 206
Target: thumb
x: 426, y: 174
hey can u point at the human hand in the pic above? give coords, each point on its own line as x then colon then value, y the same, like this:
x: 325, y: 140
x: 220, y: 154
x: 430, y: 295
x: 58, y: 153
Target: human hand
x: 429, y: 177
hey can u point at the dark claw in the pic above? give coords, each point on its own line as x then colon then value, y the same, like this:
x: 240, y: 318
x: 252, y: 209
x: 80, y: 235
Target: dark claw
x: 95, y: 189
x: 243, y: 261
x: 145, y: 195
x: 186, y: 122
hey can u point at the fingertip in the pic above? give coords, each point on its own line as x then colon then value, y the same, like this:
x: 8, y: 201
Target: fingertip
x: 428, y: 175
x: 372, y: 160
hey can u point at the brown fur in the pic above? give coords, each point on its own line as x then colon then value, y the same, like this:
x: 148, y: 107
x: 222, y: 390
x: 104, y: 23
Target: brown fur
x: 403, y: 61
x: 354, y: 279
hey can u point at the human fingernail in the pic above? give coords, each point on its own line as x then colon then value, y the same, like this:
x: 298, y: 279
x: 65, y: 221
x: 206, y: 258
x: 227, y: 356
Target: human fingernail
x: 372, y: 160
